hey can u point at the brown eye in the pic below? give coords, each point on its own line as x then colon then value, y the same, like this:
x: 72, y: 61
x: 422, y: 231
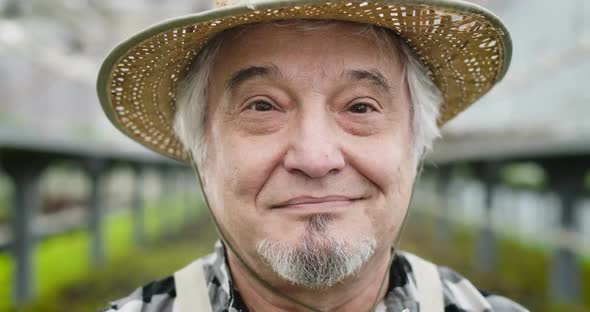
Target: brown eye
x: 261, y: 106
x: 360, y: 108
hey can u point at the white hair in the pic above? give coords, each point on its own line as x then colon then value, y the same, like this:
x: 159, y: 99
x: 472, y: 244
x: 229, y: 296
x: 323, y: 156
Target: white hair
x: 191, y: 100
x: 318, y: 260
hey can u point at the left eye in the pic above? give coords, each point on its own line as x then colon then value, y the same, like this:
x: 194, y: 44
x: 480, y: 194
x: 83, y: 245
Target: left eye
x: 360, y: 108
x: 261, y: 106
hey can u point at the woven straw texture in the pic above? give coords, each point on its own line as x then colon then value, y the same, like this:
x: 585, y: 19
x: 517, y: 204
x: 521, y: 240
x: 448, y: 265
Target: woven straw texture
x: 466, y: 49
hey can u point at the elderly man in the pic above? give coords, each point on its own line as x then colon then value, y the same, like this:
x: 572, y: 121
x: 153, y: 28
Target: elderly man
x: 306, y: 122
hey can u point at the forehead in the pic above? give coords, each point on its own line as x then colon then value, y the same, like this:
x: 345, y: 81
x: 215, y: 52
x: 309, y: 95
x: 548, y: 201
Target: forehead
x: 309, y: 46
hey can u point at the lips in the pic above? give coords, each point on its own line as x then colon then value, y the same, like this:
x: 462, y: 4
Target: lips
x: 310, y: 202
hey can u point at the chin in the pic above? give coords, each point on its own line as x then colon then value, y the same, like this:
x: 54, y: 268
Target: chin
x: 317, y: 258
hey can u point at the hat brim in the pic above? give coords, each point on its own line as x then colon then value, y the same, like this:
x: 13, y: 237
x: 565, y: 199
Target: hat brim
x: 466, y: 49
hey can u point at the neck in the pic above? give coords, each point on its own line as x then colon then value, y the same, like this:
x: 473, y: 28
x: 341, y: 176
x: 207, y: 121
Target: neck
x: 355, y: 293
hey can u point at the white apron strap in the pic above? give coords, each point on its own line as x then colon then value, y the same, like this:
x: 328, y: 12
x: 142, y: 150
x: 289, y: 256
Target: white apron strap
x: 430, y: 291
x: 192, y: 293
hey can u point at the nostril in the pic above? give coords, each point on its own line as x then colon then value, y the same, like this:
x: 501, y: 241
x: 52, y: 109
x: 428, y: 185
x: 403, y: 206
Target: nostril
x: 333, y: 171
x: 314, y: 158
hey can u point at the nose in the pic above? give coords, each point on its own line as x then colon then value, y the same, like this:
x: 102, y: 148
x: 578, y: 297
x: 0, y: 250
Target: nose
x: 314, y: 149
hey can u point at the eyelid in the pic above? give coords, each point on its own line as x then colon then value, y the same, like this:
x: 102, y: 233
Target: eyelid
x: 359, y: 100
x: 256, y: 98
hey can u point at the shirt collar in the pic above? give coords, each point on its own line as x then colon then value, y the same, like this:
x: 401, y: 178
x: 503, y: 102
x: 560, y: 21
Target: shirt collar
x: 400, y: 291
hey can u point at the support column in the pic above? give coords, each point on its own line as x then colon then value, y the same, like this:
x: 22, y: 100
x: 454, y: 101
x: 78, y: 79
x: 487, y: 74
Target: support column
x: 137, y: 205
x: 487, y: 254
x: 166, y: 196
x: 25, y: 174
x: 181, y: 193
x: 566, y: 178
x: 443, y: 229
x: 180, y: 207
x: 96, y: 169
x: 186, y: 195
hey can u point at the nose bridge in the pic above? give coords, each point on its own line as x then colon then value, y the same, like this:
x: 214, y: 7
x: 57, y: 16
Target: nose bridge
x: 314, y: 148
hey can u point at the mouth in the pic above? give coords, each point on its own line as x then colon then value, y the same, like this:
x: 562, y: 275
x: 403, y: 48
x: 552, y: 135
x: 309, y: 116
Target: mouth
x: 310, y: 204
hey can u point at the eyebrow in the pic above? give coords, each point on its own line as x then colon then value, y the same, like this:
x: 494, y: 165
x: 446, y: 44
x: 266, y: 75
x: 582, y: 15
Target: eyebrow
x: 372, y: 76
x: 251, y: 72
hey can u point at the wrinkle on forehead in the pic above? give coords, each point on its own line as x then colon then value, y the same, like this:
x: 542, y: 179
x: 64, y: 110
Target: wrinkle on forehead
x: 306, y: 59
x: 384, y: 41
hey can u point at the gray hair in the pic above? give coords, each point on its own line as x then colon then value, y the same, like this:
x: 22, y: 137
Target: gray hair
x: 318, y: 260
x: 191, y: 100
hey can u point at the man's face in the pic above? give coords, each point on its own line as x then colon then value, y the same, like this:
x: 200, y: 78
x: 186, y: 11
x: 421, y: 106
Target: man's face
x: 309, y: 139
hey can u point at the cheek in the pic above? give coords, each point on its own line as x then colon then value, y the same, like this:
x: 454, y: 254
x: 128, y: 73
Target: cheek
x: 385, y: 161
x: 243, y: 165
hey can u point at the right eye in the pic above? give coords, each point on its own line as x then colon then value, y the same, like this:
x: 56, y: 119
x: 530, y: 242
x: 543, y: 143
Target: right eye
x: 261, y: 106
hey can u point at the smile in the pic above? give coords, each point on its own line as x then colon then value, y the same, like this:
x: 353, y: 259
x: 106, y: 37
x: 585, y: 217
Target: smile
x: 309, y: 204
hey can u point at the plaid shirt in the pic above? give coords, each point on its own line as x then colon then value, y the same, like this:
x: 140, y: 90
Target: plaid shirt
x: 459, y: 294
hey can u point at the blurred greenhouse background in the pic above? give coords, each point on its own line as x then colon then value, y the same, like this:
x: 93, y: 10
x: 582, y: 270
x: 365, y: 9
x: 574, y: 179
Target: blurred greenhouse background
x: 86, y: 215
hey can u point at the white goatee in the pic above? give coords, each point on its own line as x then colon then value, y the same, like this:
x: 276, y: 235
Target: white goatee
x: 318, y: 260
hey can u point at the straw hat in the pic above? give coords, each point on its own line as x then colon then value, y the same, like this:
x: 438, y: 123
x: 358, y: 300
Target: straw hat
x: 466, y: 48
